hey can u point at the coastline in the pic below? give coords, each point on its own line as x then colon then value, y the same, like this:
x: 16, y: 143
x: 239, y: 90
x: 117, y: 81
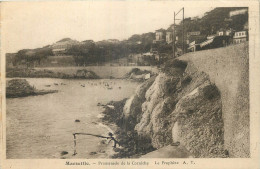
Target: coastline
x: 108, y: 149
x: 131, y: 144
x: 45, y: 73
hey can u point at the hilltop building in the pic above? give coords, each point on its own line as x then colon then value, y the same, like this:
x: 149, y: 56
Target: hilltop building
x: 87, y: 42
x: 169, y: 35
x: 160, y: 35
x: 240, y: 37
x: 113, y: 40
x: 225, y: 32
x: 61, y: 47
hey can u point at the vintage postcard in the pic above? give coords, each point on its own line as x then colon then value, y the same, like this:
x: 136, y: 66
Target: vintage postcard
x: 130, y: 84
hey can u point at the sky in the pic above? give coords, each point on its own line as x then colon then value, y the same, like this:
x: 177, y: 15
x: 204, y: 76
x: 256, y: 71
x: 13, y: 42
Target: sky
x: 28, y: 25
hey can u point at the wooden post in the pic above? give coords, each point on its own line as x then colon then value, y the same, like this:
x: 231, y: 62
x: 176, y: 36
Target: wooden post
x: 75, y: 144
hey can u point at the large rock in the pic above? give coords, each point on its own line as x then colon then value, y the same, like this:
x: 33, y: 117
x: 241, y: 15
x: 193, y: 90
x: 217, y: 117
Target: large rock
x: 198, y: 123
x: 85, y: 74
x: 138, y: 74
x: 181, y: 105
x: 18, y: 88
x: 21, y: 88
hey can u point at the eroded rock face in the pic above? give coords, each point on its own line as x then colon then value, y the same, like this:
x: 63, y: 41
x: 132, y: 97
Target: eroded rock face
x: 155, y: 111
x: 132, y: 109
x: 198, y: 122
x: 181, y: 105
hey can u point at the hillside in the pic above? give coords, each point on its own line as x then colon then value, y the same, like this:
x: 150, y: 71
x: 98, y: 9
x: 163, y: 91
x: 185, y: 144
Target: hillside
x: 213, y: 21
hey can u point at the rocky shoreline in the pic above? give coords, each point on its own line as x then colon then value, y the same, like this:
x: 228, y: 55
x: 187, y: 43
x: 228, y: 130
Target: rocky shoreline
x: 172, y: 107
x: 131, y: 144
x: 33, y: 73
x: 192, y: 104
x: 21, y: 88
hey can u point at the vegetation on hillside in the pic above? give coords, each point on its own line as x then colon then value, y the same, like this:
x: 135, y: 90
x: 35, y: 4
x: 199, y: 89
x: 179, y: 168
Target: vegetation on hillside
x: 31, y: 56
x: 213, y: 21
x: 90, y: 52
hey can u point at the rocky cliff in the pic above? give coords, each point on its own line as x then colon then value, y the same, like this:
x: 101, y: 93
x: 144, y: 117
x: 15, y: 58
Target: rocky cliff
x: 194, y: 101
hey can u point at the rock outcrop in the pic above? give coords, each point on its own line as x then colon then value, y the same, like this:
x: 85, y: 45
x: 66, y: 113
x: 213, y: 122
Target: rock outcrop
x: 85, y: 74
x: 197, y: 106
x: 183, y: 106
x: 21, y: 88
x: 138, y: 74
x: 33, y: 73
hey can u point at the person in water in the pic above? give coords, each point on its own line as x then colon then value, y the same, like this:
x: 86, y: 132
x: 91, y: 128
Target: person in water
x: 113, y: 138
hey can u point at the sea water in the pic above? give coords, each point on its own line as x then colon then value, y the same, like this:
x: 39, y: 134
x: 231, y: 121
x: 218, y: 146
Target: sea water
x: 43, y: 126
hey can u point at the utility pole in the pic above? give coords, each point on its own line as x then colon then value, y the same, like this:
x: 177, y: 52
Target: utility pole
x: 183, y: 31
x: 174, y: 36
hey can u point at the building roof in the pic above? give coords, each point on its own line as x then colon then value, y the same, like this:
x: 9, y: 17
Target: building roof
x: 160, y: 30
x: 64, y: 40
x: 216, y: 38
x: 169, y: 29
x: 58, y: 50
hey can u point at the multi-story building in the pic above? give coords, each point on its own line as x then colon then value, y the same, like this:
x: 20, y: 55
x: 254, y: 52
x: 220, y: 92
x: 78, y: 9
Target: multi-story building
x: 169, y: 35
x: 160, y: 35
x: 61, y: 47
x: 224, y: 32
x: 240, y: 37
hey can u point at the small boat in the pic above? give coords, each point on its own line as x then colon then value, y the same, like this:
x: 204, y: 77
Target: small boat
x: 111, y: 106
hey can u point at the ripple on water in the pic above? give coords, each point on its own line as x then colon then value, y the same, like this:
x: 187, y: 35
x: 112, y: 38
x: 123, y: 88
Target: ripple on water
x: 42, y: 126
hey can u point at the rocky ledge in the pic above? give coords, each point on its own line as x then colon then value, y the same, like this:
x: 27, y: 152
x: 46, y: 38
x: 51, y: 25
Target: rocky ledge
x: 21, y: 88
x: 33, y: 73
x: 139, y: 75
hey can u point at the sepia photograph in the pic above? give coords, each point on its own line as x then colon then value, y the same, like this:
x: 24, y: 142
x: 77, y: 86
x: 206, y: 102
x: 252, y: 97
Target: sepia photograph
x: 126, y: 80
